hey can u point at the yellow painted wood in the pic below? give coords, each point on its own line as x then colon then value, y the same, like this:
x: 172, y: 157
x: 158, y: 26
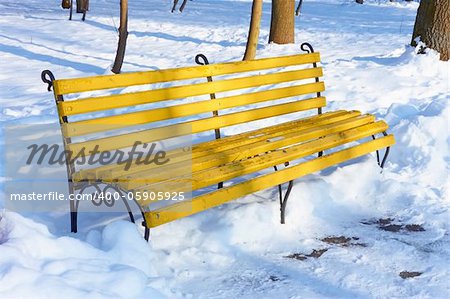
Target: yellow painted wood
x: 184, y: 91
x: 230, y: 171
x: 238, y: 153
x: 224, y: 159
x: 67, y: 86
x: 272, y: 131
x: 196, y: 126
x: 211, y: 176
x: 110, y: 172
x: 202, y: 153
x: 142, y: 117
x: 210, y: 200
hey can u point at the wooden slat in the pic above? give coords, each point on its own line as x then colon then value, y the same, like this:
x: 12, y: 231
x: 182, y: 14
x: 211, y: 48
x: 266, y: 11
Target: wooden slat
x: 131, y: 181
x: 142, y: 117
x: 179, y: 92
x: 196, y: 126
x: 228, y: 171
x: 271, y: 131
x: 213, y: 176
x: 218, y: 146
x: 67, y: 86
x: 213, y: 199
x: 111, y: 171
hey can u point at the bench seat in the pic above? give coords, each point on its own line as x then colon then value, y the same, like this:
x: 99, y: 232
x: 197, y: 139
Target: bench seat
x: 242, y: 154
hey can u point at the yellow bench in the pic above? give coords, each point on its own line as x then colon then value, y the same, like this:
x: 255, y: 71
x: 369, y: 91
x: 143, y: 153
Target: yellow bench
x: 181, y: 102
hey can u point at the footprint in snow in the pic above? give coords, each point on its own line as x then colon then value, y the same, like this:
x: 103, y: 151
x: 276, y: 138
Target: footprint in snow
x: 391, y: 225
x: 343, y: 241
x: 316, y: 253
x: 408, y: 274
x: 330, y: 240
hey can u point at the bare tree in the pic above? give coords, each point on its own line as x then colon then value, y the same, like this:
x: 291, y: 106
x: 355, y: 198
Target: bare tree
x: 299, y: 8
x: 433, y: 26
x: 175, y: 2
x: 123, y: 34
x: 253, y: 32
x: 282, y: 22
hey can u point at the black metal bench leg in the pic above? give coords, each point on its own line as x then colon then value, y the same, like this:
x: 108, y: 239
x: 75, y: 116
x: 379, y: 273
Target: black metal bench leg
x: 71, y: 8
x: 124, y: 197
x: 73, y: 222
x: 377, y: 151
x: 146, y: 229
x: 144, y: 224
x: 130, y: 214
x: 386, y: 153
x: 73, y: 215
x: 147, y: 234
x: 284, y: 201
x: 280, y: 192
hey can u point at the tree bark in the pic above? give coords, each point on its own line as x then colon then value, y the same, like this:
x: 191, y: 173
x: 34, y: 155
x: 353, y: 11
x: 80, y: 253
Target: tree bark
x: 65, y: 4
x: 282, y: 22
x: 82, y: 6
x: 253, y: 32
x: 123, y: 34
x: 433, y: 26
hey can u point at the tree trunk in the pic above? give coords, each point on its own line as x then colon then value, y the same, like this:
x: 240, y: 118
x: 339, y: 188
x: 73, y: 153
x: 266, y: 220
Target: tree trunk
x: 123, y: 34
x: 433, y: 26
x: 82, y: 6
x: 283, y: 22
x: 253, y: 32
x: 299, y: 8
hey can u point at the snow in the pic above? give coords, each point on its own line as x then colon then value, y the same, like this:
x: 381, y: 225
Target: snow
x: 240, y: 249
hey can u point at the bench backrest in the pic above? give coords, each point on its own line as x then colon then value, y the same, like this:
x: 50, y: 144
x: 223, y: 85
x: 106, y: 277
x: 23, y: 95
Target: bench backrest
x: 161, y: 104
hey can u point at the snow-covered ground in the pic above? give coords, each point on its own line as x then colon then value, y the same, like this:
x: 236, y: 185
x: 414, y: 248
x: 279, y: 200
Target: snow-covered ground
x: 389, y: 222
